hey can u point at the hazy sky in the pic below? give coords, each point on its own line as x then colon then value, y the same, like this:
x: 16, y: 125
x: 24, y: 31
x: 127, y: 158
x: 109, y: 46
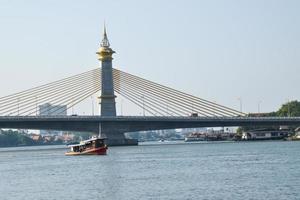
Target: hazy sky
x: 217, y: 50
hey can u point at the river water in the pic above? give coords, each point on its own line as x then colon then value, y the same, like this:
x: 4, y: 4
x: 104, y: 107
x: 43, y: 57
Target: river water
x: 211, y: 171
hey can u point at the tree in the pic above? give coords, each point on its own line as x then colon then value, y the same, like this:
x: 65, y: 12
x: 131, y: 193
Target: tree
x: 13, y: 138
x: 290, y: 109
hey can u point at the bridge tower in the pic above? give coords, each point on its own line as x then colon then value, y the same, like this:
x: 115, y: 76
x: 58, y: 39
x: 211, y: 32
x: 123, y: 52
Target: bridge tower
x: 107, y: 98
x: 115, y: 135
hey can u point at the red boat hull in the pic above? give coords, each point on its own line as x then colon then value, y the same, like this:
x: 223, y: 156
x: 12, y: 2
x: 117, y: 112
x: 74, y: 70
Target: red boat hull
x: 95, y: 151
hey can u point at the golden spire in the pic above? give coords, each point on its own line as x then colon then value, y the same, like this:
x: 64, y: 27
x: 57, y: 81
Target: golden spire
x: 105, y: 42
x: 104, y: 52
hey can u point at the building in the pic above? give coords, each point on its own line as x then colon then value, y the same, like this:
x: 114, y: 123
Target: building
x: 265, y: 134
x: 48, y: 109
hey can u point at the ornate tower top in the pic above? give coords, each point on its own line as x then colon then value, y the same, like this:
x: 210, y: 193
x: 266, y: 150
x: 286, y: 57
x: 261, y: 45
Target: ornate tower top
x: 105, y: 42
x: 105, y: 52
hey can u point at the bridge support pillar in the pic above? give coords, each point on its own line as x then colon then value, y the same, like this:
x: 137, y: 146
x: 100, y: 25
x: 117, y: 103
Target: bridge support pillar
x: 118, y: 139
x: 115, y: 135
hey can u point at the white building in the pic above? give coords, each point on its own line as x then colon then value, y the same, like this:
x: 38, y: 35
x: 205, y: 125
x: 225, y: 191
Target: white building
x: 48, y: 109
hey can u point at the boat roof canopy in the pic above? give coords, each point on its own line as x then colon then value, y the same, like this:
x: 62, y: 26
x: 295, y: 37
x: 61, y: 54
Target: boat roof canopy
x: 85, y: 142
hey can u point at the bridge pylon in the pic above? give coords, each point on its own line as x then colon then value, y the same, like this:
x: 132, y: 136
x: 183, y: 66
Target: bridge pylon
x: 107, y: 98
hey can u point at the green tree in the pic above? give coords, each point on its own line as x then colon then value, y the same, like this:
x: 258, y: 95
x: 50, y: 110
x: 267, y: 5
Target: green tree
x: 13, y: 138
x: 290, y: 109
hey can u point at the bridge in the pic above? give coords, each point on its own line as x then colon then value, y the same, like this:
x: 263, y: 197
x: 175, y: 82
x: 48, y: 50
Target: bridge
x: 136, y: 123
x: 166, y: 108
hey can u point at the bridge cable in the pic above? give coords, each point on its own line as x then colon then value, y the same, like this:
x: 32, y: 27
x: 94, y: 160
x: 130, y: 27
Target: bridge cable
x: 55, y: 83
x: 172, y: 103
x: 177, y: 101
x: 52, y: 94
x: 80, y: 99
x: 141, y: 92
x: 131, y: 94
x: 171, y: 91
x: 70, y: 97
x: 43, y: 97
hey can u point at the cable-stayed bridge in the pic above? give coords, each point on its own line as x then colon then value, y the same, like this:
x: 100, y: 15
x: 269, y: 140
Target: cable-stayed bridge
x: 166, y: 108
x: 156, y: 99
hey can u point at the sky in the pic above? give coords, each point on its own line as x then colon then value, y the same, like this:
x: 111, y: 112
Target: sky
x: 218, y: 50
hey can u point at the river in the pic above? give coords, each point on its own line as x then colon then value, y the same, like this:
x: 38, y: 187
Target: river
x: 168, y: 170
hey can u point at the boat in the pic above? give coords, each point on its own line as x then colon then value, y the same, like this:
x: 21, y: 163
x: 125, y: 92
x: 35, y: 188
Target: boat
x: 194, y: 137
x: 93, y: 146
x: 295, y: 137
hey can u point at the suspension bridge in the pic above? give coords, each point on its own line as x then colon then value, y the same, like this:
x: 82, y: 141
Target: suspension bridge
x: 166, y: 108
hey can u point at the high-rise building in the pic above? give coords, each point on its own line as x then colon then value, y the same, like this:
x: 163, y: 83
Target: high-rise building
x: 48, y: 109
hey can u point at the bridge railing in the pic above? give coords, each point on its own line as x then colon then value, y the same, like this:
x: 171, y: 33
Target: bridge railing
x: 147, y: 117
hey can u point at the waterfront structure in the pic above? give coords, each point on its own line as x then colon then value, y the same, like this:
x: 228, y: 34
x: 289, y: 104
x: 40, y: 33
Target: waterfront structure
x: 265, y: 134
x: 48, y: 109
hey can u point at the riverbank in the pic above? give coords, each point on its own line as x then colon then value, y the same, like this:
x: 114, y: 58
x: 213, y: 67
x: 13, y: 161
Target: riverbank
x: 15, y: 139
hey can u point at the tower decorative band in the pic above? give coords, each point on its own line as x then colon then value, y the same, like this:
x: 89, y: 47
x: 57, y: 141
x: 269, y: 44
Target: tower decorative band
x: 107, y: 98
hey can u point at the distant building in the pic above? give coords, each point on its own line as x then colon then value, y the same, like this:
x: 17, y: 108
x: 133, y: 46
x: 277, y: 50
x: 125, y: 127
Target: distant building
x: 48, y: 109
x: 66, y: 137
x: 265, y: 134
